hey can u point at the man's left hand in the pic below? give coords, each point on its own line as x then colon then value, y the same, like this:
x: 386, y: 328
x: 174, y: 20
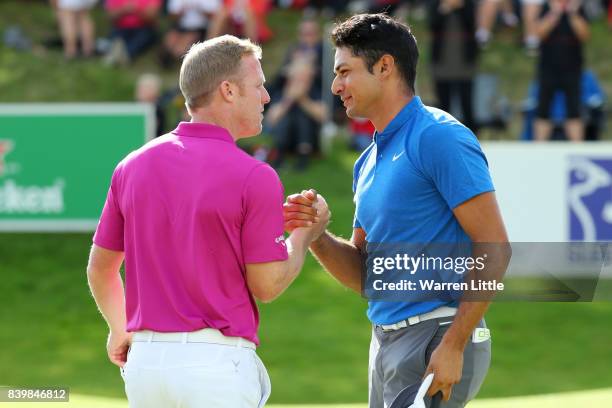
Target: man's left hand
x: 447, y: 364
x: 299, y: 210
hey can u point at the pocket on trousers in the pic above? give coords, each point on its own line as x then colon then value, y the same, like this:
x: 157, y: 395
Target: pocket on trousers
x: 433, y: 342
x: 123, y: 370
x: 264, y: 381
x: 127, y: 373
x: 481, y: 357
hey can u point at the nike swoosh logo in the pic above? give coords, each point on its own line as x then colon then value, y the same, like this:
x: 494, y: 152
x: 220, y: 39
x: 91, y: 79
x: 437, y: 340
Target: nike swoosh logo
x: 397, y: 156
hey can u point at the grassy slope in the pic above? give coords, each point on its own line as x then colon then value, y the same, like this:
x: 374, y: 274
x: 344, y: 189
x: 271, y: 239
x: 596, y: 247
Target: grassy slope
x: 45, y: 76
x: 315, y: 337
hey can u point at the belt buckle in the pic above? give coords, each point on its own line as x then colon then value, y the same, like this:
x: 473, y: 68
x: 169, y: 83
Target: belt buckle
x: 394, y: 326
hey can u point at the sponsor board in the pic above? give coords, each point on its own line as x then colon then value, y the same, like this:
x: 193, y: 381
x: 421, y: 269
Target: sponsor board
x: 56, y: 161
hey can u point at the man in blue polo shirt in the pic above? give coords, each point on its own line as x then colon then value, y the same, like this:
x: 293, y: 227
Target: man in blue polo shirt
x: 423, y: 180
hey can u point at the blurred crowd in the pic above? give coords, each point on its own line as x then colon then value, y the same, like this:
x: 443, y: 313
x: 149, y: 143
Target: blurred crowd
x: 564, y: 101
x: 136, y: 25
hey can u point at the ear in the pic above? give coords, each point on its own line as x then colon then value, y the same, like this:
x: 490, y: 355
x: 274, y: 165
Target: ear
x: 228, y: 91
x: 385, y: 66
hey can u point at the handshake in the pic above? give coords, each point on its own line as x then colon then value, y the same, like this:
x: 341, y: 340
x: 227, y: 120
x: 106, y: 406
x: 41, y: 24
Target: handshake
x: 306, y: 214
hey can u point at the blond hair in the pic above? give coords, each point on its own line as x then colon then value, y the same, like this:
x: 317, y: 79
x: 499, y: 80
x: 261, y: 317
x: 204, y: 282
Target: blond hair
x: 211, y: 62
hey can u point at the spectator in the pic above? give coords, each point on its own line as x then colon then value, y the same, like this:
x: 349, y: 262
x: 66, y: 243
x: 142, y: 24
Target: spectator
x: 75, y: 23
x: 361, y: 133
x: 148, y: 90
x: 243, y: 17
x: 191, y: 19
x: 487, y: 14
x: 134, y: 28
x: 296, y: 117
x: 454, y: 51
x: 531, y: 10
x: 562, y: 29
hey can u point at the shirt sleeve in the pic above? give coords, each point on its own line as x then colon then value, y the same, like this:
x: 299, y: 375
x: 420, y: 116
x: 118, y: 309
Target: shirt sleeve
x: 262, y: 235
x: 356, y: 223
x: 356, y: 174
x: 109, y: 233
x: 451, y: 156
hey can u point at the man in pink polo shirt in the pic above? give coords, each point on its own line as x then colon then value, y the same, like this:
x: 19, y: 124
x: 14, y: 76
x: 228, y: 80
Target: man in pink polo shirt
x: 199, y: 224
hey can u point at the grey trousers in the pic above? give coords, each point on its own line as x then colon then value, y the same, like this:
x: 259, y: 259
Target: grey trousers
x: 399, y: 358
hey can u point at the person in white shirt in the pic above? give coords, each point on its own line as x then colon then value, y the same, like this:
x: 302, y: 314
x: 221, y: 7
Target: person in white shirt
x: 191, y: 21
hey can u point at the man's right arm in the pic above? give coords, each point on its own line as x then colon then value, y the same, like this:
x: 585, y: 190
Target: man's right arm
x: 577, y: 21
x: 547, y: 23
x: 268, y: 280
x: 341, y: 258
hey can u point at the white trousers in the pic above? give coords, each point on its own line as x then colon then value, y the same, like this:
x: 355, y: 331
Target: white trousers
x: 194, y: 375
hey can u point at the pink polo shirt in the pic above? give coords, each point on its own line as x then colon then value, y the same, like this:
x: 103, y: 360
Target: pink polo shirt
x: 190, y: 209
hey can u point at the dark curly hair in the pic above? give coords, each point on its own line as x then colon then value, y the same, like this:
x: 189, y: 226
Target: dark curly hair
x: 370, y: 36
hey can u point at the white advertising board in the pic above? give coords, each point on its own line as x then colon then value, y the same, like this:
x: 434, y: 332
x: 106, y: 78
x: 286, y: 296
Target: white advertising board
x: 553, y: 192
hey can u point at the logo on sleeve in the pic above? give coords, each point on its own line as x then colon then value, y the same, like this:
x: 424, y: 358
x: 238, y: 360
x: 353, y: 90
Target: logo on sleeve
x: 397, y: 156
x: 280, y: 240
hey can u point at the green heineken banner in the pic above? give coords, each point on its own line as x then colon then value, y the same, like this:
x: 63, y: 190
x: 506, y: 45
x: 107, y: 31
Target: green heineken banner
x: 56, y: 161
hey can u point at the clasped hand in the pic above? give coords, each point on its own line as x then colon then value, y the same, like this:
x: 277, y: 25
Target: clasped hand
x: 307, y: 210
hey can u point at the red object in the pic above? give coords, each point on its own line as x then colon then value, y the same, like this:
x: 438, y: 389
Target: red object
x: 260, y: 8
x: 361, y: 126
x: 610, y: 12
x: 299, y: 4
x: 131, y: 20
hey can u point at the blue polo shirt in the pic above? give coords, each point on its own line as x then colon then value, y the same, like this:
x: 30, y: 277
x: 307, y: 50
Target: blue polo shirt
x: 406, y: 184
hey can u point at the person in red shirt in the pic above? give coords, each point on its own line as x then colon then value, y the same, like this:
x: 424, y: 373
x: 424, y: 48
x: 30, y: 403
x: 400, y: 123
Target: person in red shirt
x: 361, y: 133
x: 243, y: 17
x: 134, y: 27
